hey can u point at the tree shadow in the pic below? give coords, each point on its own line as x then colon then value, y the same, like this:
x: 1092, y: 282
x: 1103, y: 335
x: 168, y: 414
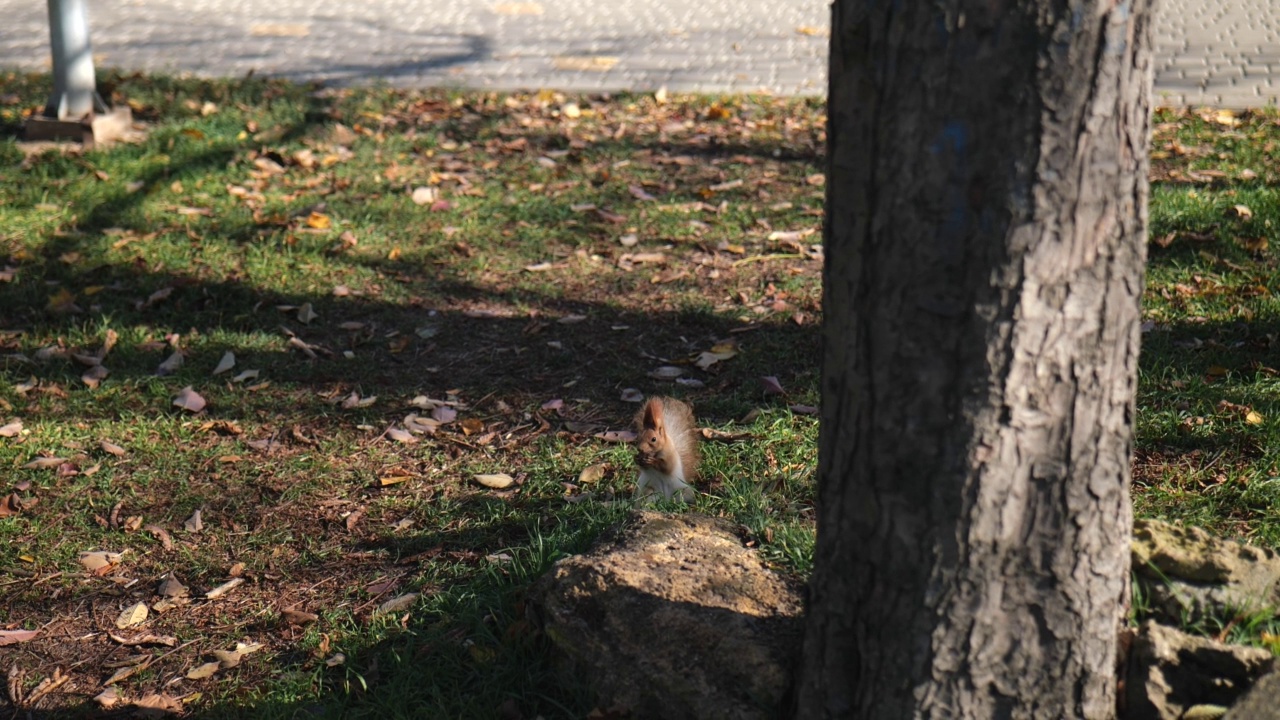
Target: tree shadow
x: 490, y: 342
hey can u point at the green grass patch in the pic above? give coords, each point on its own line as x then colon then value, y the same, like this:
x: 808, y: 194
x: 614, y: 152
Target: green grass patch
x: 364, y: 251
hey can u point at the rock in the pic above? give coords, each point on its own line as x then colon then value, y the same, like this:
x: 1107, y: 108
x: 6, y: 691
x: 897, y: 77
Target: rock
x: 672, y: 617
x: 1262, y: 702
x: 1187, y: 575
x: 1171, y: 671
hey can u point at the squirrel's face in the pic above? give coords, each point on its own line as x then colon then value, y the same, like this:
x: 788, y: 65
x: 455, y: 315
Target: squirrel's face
x: 649, y: 451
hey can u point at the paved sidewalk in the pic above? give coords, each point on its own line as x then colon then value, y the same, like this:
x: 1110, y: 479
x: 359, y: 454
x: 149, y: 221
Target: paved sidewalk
x: 1215, y: 52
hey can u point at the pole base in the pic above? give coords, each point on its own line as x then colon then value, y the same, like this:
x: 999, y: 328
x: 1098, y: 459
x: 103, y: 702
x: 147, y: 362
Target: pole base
x: 91, y: 130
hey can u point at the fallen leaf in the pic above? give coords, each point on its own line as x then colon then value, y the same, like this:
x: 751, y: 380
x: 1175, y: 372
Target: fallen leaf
x: 401, y: 436
x: 112, y: 448
x: 13, y: 637
x: 96, y: 560
x: 1243, y: 212
x: 44, y: 463
x: 12, y: 429
x: 306, y: 314
x: 1254, y: 418
x: 106, y: 699
x: 227, y: 362
x: 170, y: 365
x: 665, y: 372
x: 161, y: 534
x: 617, y: 436
x: 94, y: 376
x: 772, y: 386
x: 497, y: 481
x: 10, y: 505
x: 224, y: 588
x: 245, y: 375
x: 165, y: 640
x: 298, y: 617
x: 164, y: 704
x: 632, y: 395
x: 200, y: 672
x: 592, y: 473
x: 424, y: 195
x: 397, y: 604
x: 132, y: 615
x: 193, y: 524
x: 172, y: 587
x: 189, y: 399
x: 444, y: 414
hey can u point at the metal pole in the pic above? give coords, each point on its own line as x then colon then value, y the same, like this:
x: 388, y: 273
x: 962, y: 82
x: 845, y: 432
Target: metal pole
x: 74, y: 90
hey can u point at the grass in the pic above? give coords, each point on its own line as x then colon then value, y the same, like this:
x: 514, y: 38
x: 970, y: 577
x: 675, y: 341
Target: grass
x: 561, y: 251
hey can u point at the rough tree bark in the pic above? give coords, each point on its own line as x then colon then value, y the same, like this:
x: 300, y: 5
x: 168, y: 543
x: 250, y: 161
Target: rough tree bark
x: 986, y: 223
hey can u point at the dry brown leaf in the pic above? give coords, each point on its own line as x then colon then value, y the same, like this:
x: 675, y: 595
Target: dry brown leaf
x: 227, y: 362
x: 616, y: 436
x: 171, y: 364
x: 396, y: 604
x: 94, y: 376
x: 12, y: 429
x: 444, y: 414
x: 632, y: 395
x: 224, y: 588
x: 165, y: 640
x: 298, y: 617
x: 163, y: 704
x: 172, y: 587
x: 10, y: 505
x: 592, y: 473
x: 96, y: 560
x: 306, y: 314
x: 107, y: 699
x: 666, y: 372
x: 161, y: 534
x: 44, y: 463
x: 132, y: 615
x: 401, y: 436
x: 190, y: 400
x: 424, y: 195
x: 200, y: 672
x: 13, y: 637
x: 772, y: 386
x: 195, y: 523
x: 112, y: 448
x: 497, y: 481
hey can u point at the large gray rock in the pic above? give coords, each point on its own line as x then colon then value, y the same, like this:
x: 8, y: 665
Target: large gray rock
x: 1188, y: 575
x: 672, y: 617
x: 1171, y: 672
x: 1262, y: 702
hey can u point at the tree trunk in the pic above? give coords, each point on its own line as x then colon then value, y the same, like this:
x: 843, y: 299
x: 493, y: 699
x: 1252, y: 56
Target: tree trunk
x: 986, y: 231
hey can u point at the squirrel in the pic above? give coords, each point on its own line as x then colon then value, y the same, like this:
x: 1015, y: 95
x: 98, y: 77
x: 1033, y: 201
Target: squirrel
x: 666, y: 449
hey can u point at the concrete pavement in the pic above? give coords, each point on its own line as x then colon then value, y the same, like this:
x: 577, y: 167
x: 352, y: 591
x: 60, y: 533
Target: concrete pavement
x: 1215, y: 52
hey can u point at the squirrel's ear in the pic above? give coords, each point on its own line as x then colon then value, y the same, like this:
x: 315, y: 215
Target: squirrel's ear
x: 653, y: 414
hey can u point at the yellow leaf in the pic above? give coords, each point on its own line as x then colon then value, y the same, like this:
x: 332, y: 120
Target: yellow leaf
x: 319, y: 221
x: 1253, y: 418
x: 394, y: 254
x: 62, y: 301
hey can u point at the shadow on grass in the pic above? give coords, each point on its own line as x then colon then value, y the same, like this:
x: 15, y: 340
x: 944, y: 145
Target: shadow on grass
x: 505, y: 347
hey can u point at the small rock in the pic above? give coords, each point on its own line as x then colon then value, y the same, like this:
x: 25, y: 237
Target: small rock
x: 672, y: 617
x: 1189, y: 575
x: 1262, y: 702
x: 1171, y: 671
